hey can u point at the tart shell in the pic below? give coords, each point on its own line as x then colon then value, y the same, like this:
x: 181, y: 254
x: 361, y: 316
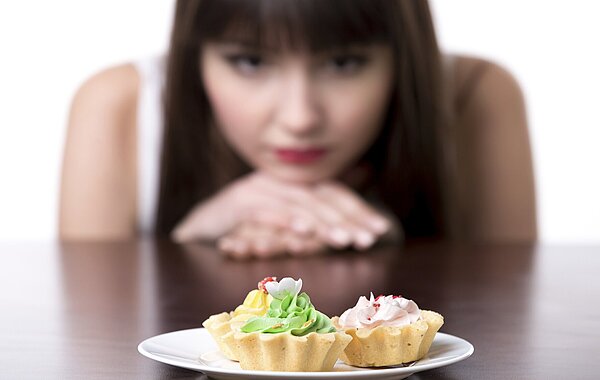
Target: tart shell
x: 286, y: 352
x: 388, y: 345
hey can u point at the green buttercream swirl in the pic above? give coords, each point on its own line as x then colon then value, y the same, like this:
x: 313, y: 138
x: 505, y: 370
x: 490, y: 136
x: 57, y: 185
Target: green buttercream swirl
x: 294, y: 314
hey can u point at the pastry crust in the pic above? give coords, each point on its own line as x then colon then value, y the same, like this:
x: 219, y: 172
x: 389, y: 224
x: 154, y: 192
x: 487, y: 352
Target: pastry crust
x: 219, y: 325
x: 386, y: 345
x: 286, y: 352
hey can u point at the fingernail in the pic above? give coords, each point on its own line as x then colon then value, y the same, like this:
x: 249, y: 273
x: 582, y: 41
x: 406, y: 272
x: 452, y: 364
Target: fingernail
x: 379, y: 225
x: 340, y: 236
x: 296, y: 247
x: 224, y: 244
x: 239, y: 247
x: 262, y: 245
x: 263, y: 248
x: 364, y: 239
x: 300, y: 226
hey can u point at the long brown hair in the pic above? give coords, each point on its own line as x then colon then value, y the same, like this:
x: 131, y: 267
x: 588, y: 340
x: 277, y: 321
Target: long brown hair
x: 403, y: 161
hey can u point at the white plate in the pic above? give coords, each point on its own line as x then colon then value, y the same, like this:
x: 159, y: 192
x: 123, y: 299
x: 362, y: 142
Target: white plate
x: 194, y: 349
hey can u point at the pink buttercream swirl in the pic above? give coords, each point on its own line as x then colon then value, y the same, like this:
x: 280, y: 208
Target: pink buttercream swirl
x: 381, y: 311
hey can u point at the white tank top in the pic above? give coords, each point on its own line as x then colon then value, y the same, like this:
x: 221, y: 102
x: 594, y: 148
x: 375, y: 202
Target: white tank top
x: 151, y: 71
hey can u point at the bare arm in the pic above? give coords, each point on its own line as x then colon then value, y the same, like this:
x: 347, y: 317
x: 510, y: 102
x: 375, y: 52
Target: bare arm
x: 98, y: 186
x: 495, y: 162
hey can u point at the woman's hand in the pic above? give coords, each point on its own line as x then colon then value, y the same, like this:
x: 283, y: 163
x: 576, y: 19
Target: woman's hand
x: 238, y: 202
x: 264, y: 240
x: 329, y: 210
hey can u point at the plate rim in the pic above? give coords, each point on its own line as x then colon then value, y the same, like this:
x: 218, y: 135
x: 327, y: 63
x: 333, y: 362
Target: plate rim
x: 199, y: 366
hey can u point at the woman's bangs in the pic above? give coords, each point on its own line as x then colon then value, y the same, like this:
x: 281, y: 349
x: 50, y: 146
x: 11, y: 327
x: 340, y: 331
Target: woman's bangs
x: 314, y: 25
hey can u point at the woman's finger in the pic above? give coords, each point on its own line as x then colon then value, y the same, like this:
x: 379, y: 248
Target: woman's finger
x: 366, y: 224
x: 234, y: 247
x: 353, y: 206
x: 263, y: 239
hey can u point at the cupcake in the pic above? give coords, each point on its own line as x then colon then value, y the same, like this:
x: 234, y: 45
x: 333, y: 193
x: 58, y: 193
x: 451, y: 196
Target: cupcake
x: 386, y: 331
x: 291, y: 336
x: 255, y: 304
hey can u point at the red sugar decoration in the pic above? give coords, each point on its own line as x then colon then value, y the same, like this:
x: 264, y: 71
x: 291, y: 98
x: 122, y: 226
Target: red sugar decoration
x: 261, y: 285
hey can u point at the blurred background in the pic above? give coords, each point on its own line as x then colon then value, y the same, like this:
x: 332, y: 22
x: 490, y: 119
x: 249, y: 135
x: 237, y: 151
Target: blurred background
x: 48, y: 48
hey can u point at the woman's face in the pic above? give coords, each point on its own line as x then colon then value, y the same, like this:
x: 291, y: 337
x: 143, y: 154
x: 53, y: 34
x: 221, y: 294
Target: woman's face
x: 298, y: 116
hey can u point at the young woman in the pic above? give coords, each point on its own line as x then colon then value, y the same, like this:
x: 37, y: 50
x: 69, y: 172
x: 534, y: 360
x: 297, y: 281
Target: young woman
x: 297, y: 126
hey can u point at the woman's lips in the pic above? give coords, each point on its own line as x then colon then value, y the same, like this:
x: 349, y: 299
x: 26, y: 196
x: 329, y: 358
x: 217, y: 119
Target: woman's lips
x: 300, y: 156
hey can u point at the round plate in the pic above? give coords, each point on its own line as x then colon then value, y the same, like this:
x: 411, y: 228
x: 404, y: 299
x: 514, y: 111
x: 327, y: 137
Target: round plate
x: 195, y: 349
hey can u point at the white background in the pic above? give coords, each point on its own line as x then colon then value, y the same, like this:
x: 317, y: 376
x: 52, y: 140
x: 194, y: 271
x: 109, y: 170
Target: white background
x: 47, y: 48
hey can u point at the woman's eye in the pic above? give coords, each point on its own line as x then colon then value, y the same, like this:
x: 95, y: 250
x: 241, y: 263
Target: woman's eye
x: 347, y: 64
x: 246, y: 63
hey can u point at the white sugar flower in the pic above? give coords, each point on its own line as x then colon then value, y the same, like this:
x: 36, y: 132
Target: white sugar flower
x: 286, y: 286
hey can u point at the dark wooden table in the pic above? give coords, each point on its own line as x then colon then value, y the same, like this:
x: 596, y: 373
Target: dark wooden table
x: 78, y: 311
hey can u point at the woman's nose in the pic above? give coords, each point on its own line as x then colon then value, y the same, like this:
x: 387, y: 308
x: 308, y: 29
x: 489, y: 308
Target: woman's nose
x: 298, y: 105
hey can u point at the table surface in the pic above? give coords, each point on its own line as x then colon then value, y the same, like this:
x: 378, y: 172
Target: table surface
x: 79, y: 310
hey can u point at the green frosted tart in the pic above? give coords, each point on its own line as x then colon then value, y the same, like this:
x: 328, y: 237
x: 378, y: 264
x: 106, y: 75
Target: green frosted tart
x: 291, y: 336
x: 294, y: 314
x: 256, y: 303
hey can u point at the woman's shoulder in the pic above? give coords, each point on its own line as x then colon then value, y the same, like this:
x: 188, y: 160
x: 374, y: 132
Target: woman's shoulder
x: 104, y: 108
x: 113, y: 89
x: 98, y: 192
x: 481, y: 83
x: 494, y: 172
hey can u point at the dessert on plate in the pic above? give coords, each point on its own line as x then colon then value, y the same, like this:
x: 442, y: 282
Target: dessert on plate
x: 291, y: 336
x: 387, y: 330
x: 255, y: 304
